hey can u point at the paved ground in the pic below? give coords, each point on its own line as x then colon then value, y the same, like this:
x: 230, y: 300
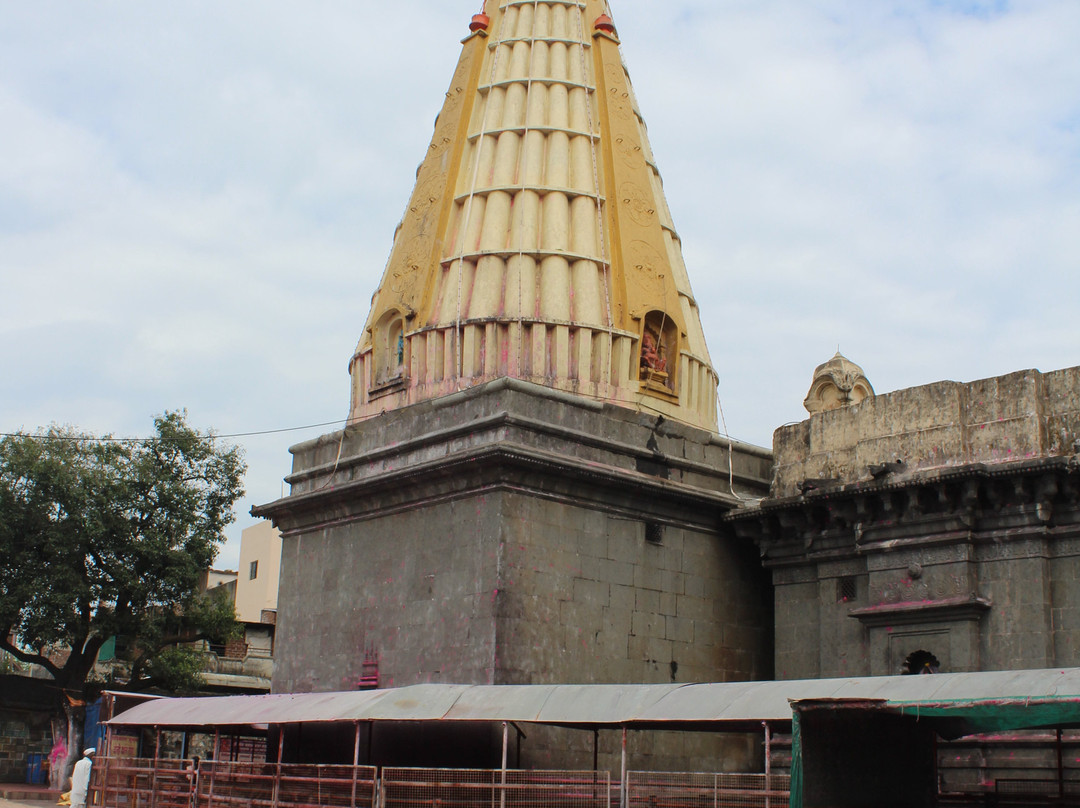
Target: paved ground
x: 15, y: 795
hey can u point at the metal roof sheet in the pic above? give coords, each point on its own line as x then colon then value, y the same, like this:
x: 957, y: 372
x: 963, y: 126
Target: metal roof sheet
x: 701, y: 706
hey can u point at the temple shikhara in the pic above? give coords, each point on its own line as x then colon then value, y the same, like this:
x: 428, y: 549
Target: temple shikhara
x: 537, y: 244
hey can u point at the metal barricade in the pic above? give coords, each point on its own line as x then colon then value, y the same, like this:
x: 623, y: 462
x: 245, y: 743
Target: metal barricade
x: 494, y: 788
x: 143, y: 783
x: 707, y: 790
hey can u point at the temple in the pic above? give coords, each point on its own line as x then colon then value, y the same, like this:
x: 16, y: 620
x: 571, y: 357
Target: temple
x: 529, y: 487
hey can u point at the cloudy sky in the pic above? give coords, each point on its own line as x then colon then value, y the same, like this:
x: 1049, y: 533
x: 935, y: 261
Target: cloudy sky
x: 197, y: 199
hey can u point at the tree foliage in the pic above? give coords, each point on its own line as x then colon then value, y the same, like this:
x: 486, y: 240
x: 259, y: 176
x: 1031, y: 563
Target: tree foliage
x: 103, y: 538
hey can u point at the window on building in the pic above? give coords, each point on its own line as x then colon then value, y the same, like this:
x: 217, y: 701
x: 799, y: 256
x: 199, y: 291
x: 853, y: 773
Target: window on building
x: 845, y: 589
x: 920, y: 662
x: 253, y: 571
x: 654, y: 533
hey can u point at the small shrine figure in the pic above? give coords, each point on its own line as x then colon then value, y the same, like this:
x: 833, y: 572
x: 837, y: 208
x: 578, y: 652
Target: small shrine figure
x: 651, y: 358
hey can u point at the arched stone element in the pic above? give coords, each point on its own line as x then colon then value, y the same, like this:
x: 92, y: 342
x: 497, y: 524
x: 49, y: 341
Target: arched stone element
x: 389, y: 354
x: 837, y: 383
x: 920, y: 662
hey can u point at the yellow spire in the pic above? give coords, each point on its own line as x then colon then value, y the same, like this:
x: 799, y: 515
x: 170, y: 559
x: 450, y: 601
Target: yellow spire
x: 537, y: 243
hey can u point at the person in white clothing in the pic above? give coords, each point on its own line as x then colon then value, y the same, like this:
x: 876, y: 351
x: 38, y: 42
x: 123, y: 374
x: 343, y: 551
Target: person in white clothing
x: 80, y: 779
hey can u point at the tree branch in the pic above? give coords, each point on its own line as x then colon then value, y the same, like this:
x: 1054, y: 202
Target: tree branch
x: 31, y: 659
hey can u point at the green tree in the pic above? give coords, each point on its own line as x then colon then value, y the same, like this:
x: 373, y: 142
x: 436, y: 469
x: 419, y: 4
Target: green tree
x: 102, y: 538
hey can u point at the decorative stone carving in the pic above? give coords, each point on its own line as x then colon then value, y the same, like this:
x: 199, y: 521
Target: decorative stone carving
x: 646, y: 267
x: 837, y: 383
x: 629, y: 152
x: 637, y: 204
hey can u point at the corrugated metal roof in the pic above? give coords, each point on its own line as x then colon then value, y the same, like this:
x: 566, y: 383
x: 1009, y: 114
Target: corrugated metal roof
x: 698, y: 706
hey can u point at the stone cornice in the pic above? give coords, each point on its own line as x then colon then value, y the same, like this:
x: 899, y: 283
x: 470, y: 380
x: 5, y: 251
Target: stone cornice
x: 505, y: 466
x: 505, y: 418
x: 825, y: 492
x: 940, y: 610
x: 940, y: 507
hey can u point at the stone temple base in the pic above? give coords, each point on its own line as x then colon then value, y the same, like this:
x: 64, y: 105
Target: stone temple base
x: 513, y: 534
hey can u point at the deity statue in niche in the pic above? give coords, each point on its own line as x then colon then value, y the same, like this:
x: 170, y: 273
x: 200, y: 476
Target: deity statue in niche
x: 658, y: 346
x: 651, y: 358
x: 389, y: 353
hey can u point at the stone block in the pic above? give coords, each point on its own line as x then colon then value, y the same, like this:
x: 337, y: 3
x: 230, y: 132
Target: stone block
x: 678, y: 629
x: 924, y: 448
x: 647, y: 624
x: 616, y: 572
x: 1002, y: 398
x: 622, y: 599
x: 610, y: 644
x: 696, y: 586
x: 673, y: 583
x: 591, y: 543
x: 692, y: 607
x: 647, y: 600
x: 647, y: 576
x: 792, y: 442
x: 1004, y: 440
x: 614, y: 621
x: 593, y: 593
x: 1063, y: 433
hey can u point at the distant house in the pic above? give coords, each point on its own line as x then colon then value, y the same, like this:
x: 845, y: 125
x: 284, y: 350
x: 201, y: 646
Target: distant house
x: 246, y: 665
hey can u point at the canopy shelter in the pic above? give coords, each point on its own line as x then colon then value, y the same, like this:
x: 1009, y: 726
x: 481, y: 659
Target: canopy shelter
x: 880, y: 750
x: 957, y: 701
x: 886, y: 726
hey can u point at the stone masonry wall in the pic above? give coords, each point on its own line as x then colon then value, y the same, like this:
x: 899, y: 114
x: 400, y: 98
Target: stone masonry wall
x: 1007, y: 418
x: 420, y: 583
x: 585, y: 598
x: 21, y: 734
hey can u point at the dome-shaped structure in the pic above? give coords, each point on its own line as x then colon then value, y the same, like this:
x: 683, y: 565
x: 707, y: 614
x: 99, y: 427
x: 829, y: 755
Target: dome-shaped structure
x: 837, y: 383
x: 537, y: 243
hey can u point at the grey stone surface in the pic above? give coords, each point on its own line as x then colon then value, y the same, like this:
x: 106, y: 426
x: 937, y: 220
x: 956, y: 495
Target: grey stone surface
x: 941, y: 425
x: 512, y: 535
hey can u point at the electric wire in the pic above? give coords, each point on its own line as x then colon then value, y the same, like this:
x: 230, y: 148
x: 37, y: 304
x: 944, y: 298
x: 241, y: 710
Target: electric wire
x: 213, y: 436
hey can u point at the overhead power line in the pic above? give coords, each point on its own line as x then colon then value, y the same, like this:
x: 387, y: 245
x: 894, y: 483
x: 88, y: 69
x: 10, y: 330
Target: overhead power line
x: 214, y: 436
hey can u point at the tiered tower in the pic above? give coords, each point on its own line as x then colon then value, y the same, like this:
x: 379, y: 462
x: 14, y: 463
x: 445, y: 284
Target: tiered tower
x: 537, y: 244
x: 530, y: 485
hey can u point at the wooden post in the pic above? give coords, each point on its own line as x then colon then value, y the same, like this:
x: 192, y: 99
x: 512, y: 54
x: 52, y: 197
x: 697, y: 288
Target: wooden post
x: 214, y: 765
x: 1061, y: 768
x: 624, y: 796
x: 596, y: 766
x: 355, y: 761
x: 768, y: 763
x: 277, y: 767
x: 505, y: 742
x: 153, y: 771
x: 105, y: 768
